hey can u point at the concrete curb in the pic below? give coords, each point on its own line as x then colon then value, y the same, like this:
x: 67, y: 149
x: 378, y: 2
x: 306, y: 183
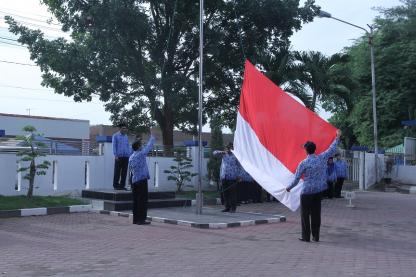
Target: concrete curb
x: 219, y: 225
x: 45, y: 211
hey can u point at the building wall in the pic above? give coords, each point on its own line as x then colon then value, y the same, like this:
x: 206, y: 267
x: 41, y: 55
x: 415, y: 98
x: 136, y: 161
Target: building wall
x: 72, y: 174
x: 405, y: 174
x: 59, y: 128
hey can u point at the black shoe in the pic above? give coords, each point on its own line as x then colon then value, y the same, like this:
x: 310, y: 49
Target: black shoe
x: 301, y: 239
x: 142, y: 223
x: 315, y: 239
x: 339, y: 196
x: 232, y: 210
x: 225, y: 210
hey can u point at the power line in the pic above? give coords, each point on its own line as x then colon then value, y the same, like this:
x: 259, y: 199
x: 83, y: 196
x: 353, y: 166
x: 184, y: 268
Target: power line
x: 8, y: 39
x: 17, y: 63
x: 30, y: 18
x: 26, y: 88
x: 13, y: 44
x: 48, y: 100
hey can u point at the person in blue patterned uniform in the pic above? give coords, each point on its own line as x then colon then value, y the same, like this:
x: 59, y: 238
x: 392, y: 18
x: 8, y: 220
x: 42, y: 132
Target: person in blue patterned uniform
x: 122, y: 152
x: 140, y: 175
x: 229, y: 174
x: 313, y: 170
x: 331, y: 177
x: 341, y: 170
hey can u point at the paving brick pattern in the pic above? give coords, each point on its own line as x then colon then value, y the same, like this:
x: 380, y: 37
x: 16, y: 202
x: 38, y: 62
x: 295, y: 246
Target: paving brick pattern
x: 377, y: 238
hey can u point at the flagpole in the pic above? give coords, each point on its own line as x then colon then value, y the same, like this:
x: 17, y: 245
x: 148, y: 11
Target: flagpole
x: 199, y: 197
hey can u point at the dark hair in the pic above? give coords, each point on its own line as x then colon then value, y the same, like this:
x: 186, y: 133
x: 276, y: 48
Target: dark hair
x: 337, y: 155
x: 122, y: 124
x: 230, y: 145
x: 136, y: 145
x: 310, y: 147
x: 330, y: 158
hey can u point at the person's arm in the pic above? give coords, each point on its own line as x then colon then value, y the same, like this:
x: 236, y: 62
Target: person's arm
x: 114, y: 141
x: 218, y: 153
x: 299, y: 172
x: 149, y: 145
x: 332, y: 148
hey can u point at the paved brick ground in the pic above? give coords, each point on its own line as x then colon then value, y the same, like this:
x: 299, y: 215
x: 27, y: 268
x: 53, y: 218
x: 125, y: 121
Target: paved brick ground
x: 378, y: 238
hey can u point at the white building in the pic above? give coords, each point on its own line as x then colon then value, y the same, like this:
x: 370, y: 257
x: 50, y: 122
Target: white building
x: 50, y: 127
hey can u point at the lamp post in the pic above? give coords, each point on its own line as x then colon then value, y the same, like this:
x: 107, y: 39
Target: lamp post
x: 370, y: 35
x: 199, y: 197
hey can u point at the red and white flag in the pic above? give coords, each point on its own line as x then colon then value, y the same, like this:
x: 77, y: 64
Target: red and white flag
x: 271, y: 130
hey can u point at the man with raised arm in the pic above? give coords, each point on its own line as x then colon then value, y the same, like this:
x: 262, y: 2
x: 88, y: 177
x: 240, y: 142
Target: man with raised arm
x: 313, y: 171
x: 140, y: 175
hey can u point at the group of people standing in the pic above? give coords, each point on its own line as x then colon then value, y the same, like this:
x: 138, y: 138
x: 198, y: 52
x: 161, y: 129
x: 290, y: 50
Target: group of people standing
x: 130, y: 164
x: 336, y: 173
x: 237, y: 184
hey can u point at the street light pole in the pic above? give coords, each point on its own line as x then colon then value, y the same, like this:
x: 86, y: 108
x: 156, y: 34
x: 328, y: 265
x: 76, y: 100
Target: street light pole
x: 199, y: 197
x: 370, y: 35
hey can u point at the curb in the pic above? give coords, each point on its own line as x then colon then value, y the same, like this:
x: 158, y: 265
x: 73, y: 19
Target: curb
x: 241, y: 223
x: 45, y: 211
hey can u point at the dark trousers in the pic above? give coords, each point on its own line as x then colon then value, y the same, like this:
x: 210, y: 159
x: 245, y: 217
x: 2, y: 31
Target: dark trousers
x: 330, y: 190
x: 338, y: 187
x: 120, y: 172
x: 229, y: 188
x: 140, y: 199
x: 257, y: 194
x: 243, y: 191
x: 310, y: 214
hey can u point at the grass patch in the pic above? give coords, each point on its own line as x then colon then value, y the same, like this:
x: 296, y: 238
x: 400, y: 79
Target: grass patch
x: 21, y: 202
x: 191, y: 194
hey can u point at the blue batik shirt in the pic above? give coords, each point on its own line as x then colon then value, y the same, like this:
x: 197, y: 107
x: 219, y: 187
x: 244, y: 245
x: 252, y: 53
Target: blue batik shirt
x: 245, y: 177
x: 331, y: 173
x: 230, y: 167
x: 341, y: 168
x: 313, y: 170
x: 121, y: 146
x: 137, y: 162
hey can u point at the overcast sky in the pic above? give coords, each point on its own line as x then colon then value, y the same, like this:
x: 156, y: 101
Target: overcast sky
x: 21, y: 92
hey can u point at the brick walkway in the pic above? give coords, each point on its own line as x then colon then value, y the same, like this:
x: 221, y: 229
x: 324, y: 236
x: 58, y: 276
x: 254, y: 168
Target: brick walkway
x: 377, y: 238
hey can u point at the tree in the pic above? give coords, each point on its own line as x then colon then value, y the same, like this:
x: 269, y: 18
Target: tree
x: 29, y: 156
x: 395, y: 60
x: 141, y: 57
x: 217, y: 143
x: 179, y: 172
x: 314, y: 72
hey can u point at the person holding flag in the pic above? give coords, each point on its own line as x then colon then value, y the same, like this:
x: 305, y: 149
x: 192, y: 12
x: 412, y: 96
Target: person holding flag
x: 230, y: 174
x: 313, y: 171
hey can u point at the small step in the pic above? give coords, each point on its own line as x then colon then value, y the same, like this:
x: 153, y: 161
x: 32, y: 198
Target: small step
x: 408, y: 189
x: 110, y: 205
x: 122, y: 195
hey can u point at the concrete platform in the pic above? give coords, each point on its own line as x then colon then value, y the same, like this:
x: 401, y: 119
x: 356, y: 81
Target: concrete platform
x: 212, y: 218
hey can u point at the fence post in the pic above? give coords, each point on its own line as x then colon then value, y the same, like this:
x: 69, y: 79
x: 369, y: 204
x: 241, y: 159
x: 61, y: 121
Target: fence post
x: 361, y: 177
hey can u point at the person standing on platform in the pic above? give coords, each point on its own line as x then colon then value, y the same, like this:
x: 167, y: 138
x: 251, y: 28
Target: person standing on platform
x: 122, y: 152
x: 229, y: 174
x: 341, y: 170
x: 140, y: 175
x: 313, y: 170
x: 331, y: 177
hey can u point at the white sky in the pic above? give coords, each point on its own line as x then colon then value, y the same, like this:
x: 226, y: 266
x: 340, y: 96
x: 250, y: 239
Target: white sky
x: 325, y: 35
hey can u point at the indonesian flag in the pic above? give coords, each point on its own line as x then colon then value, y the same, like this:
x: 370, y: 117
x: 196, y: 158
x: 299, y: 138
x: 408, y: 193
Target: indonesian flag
x: 272, y: 128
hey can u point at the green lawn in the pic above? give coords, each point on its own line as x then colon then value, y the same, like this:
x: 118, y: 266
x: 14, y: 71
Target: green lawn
x: 21, y: 202
x: 191, y: 194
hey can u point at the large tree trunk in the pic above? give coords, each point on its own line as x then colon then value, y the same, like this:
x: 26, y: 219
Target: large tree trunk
x: 167, y: 129
x: 314, y: 96
x: 32, y: 174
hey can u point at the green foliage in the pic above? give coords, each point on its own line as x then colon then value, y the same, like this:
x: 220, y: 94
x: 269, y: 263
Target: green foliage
x: 217, y: 142
x: 395, y: 61
x: 28, y: 156
x: 180, y: 172
x: 141, y: 57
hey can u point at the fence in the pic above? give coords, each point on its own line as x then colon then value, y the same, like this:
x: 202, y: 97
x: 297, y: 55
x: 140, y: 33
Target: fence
x: 70, y: 174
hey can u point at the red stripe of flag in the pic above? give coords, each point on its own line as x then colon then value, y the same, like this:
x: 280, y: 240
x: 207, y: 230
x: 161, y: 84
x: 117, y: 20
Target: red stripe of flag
x: 281, y: 123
